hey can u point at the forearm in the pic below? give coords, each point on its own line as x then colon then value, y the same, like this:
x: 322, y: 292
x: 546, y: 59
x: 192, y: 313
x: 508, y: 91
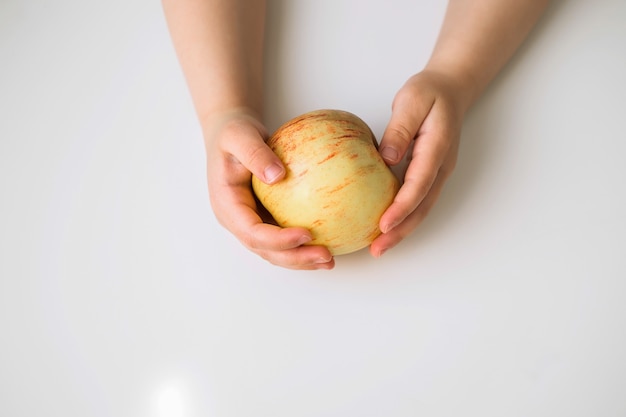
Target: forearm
x: 219, y: 44
x: 478, y: 37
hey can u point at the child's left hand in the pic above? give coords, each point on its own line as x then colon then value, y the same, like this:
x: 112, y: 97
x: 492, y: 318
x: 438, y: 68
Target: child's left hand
x: 425, y: 126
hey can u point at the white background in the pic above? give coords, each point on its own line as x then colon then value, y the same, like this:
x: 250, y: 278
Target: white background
x: 120, y: 294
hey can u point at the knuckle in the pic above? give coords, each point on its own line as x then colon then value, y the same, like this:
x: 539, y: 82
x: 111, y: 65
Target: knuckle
x: 253, y: 155
x: 250, y: 241
x: 446, y: 169
x: 267, y: 257
x: 402, y: 133
x: 404, y: 97
x: 243, y: 141
x: 230, y: 131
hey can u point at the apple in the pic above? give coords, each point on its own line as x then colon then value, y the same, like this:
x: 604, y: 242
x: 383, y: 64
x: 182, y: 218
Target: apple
x: 336, y: 183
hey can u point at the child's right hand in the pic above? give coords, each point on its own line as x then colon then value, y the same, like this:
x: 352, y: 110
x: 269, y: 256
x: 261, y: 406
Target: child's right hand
x: 236, y: 148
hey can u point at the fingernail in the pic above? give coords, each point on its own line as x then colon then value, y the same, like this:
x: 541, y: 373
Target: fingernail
x: 382, y: 252
x: 304, y: 239
x: 272, y: 172
x: 388, y: 228
x: 389, y: 154
x: 323, y: 260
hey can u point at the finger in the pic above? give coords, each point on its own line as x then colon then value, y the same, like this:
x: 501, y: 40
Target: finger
x: 388, y: 240
x: 287, y: 248
x: 281, y: 246
x: 429, y: 152
x: 408, y: 114
x: 301, y: 258
x: 248, y: 147
x: 284, y: 246
x: 236, y: 210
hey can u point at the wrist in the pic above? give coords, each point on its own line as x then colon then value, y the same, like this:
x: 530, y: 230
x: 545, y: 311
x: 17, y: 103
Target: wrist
x: 218, y: 114
x: 220, y: 118
x: 466, y: 86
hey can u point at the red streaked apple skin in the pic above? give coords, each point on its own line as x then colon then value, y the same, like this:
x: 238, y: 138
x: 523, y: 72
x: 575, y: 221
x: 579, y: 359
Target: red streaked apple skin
x: 336, y: 183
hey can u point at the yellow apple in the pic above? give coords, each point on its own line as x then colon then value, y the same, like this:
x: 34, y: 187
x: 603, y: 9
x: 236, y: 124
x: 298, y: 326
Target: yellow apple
x: 336, y: 184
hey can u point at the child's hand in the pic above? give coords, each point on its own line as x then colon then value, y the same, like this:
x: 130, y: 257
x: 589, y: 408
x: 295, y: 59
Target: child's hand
x: 425, y: 127
x: 236, y: 149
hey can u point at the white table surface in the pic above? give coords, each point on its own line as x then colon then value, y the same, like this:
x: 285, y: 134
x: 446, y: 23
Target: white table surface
x: 120, y: 294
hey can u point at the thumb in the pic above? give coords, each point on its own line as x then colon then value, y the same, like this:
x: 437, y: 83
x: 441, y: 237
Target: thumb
x: 249, y: 148
x: 407, y: 115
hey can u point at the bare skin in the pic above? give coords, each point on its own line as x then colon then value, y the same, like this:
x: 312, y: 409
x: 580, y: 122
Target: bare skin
x: 220, y: 48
